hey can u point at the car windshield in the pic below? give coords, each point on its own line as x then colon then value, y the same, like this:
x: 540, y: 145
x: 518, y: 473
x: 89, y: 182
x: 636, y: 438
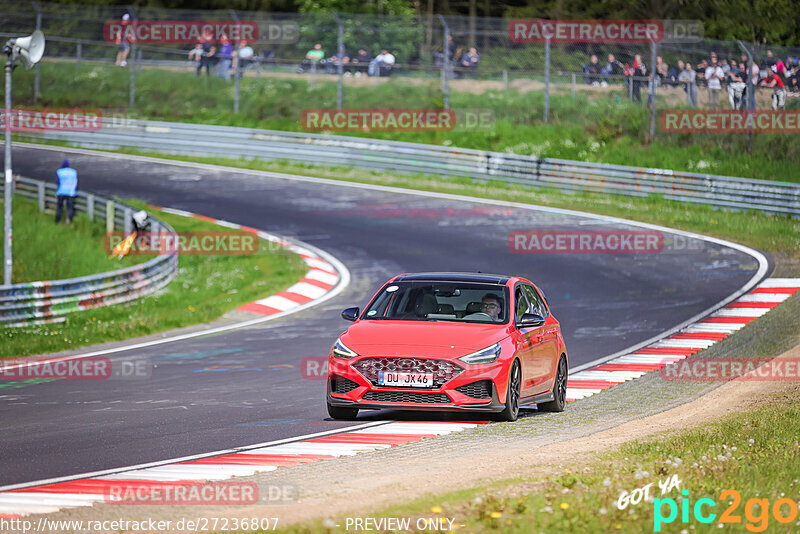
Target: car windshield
x: 440, y: 301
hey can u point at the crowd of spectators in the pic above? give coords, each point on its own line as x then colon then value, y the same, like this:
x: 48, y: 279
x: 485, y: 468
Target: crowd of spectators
x: 223, y: 57
x: 715, y: 74
x: 362, y: 63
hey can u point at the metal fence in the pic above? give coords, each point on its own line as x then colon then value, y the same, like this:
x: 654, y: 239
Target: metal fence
x: 230, y: 142
x: 33, y: 302
x: 425, y: 46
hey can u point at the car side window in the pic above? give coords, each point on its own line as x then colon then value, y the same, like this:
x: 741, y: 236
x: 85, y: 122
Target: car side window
x: 521, y: 302
x: 537, y: 303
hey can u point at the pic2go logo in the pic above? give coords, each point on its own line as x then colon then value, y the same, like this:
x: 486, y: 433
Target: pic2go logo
x: 756, y: 511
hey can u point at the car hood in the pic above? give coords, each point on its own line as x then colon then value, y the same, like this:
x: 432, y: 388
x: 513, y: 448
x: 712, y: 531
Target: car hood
x: 421, y: 338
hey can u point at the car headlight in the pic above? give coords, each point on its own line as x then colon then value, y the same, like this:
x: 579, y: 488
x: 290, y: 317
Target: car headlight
x: 340, y: 350
x: 487, y: 355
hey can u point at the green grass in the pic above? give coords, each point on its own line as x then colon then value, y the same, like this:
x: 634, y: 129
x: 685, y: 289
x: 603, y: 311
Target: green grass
x: 597, y: 127
x: 206, y: 287
x: 43, y: 250
x: 755, y: 453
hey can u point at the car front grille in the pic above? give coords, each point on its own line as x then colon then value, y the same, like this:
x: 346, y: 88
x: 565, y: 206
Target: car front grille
x: 482, y: 389
x: 442, y: 370
x: 406, y: 397
x: 340, y: 384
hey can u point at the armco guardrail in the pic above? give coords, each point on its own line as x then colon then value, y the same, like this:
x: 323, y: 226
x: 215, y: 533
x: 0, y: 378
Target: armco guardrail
x: 232, y: 142
x: 32, y: 302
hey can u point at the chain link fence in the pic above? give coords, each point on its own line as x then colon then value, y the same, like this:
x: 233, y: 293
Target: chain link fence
x: 467, y: 54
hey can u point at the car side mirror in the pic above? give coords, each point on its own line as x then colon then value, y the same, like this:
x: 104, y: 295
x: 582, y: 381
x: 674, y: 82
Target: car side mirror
x: 350, y: 314
x: 531, y: 319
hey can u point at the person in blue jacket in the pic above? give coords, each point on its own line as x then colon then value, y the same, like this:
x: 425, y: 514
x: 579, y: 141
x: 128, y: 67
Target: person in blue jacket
x: 67, y: 189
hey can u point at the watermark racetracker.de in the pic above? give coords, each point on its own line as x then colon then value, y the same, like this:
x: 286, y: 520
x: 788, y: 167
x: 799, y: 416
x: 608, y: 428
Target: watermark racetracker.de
x: 724, y: 369
x: 729, y: 121
x: 53, y: 119
x: 194, y: 243
x: 604, y: 31
x: 599, y: 242
x: 192, y: 31
x: 66, y: 368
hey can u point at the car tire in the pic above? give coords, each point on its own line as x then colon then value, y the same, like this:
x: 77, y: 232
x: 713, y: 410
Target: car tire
x: 340, y: 412
x: 511, y: 411
x: 559, y: 401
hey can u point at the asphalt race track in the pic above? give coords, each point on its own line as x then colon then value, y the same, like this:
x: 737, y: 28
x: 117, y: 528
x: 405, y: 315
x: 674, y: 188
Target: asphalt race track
x: 245, y: 386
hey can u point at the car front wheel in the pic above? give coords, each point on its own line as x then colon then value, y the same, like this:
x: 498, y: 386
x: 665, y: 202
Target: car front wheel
x: 511, y: 411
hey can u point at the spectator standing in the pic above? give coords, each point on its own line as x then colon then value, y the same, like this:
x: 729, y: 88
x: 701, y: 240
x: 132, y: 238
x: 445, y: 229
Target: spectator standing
x: 778, y: 88
x: 754, y: 77
x: 735, y: 81
x: 639, y: 72
x: 225, y: 58
x: 242, y: 57
x: 793, y: 71
x: 674, y: 72
x: 208, y: 57
x: 661, y: 70
x: 689, y: 80
x: 196, y: 54
x: 713, y: 76
x: 67, y: 189
x: 123, y: 39
x: 382, y: 64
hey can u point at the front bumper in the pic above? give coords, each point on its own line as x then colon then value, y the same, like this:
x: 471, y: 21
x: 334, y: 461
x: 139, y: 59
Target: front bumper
x: 455, y: 400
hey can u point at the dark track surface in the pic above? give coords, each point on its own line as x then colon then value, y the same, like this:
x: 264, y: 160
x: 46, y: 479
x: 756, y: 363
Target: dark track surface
x: 605, y: 303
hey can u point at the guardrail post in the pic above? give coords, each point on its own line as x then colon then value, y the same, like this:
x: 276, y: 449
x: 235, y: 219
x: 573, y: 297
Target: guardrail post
x: 40, y: 195
x: 127, y: 222
x: 505, y: 82
x: 79, y: 54
x: 109, y: 216
x: 90, y: 206
x: 573, y: 84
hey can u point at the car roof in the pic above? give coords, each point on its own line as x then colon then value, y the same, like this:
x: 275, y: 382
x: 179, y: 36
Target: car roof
x: 454, y: 277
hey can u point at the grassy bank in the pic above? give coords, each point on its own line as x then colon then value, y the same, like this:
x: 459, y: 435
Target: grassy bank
x: 206, y: 287
x: 43, y: 250
x: 598, y: 126
x: 755, y: 453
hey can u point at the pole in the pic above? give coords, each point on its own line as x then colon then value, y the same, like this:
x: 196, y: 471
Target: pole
x: 236, y: 70
x: 546, y: 79
x: 340, y: 67
x: 132, y: 62
x: 445, y: 63
x: 36, y: 79
x: 750, y: 103
x: 7, y: 221
x: 653, y: 88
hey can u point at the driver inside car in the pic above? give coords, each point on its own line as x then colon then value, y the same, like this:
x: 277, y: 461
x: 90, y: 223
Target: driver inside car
x: 491, y: 306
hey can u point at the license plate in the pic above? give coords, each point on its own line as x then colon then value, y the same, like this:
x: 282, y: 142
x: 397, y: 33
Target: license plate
x: 414, y: 380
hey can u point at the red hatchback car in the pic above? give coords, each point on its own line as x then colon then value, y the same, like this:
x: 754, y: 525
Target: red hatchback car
x: 450, y: 341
